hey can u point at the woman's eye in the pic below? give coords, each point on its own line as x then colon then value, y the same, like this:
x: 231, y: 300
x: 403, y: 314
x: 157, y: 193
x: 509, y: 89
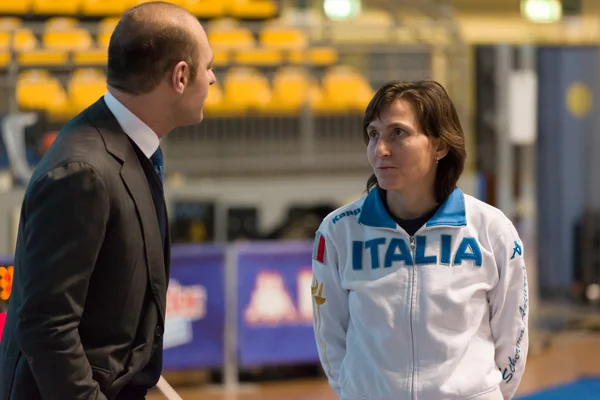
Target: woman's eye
x: 373, y: 134
x: 398, y: 131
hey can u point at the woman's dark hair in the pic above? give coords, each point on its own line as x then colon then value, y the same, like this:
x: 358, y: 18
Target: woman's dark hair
x: 438, y: 119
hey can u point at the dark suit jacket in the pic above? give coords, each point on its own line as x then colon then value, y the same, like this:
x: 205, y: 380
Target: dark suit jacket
x: 88, y: 300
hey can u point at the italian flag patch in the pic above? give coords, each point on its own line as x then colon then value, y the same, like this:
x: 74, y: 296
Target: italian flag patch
x: 319, y: 248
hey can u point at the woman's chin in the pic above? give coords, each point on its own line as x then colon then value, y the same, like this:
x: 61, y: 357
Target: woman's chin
x: 388, y: 184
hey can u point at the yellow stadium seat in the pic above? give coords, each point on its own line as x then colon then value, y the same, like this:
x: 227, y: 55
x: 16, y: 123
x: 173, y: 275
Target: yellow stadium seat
x: 60, y: 23
x: 245, y: 90
x: 222, y: 58
x: 91, y: 57
x: 22, y: 40
x: 108, y: 24
x: 223, y: 36
x: 37, y: 90
x: 10, y: 23
x: 259, y: 57
x: 253, y: 9
x: 293, y: 88
x: 85, y: 87
x: 104, y: 39
x: 86, y: 74
x: 40, y: 58
x: 15, y: 6
x: 68, y: 39
x: 55, y: 7
x: 105, y: 29
x: 5, y: 40
x: 317, y: 56
x: 205, y: 8
x: 103, y: 7
x: 283, y: 38
x: 35, y: 75
x: 27, y: 87
x: 222, y: 23
x: 5, y: 58
x: 132, y: 3
x: 214, y: 102
x: 344, y: 90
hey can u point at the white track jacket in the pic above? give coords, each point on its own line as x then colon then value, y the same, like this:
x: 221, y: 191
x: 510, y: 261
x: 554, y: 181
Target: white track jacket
x: 439, y: 315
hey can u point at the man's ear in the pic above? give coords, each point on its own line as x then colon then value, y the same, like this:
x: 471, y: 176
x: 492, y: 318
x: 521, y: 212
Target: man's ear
x: 180, y: 76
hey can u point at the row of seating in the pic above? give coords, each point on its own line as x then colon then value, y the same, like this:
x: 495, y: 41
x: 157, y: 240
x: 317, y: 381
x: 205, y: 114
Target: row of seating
x: 243, y: 90
x: 232, y: 43
x: 59, y: 33
x: 259, y: 57
x: 66, y: 33
x: 254, y: 9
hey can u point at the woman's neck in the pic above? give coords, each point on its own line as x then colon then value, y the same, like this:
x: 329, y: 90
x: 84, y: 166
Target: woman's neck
x: 410, y: 205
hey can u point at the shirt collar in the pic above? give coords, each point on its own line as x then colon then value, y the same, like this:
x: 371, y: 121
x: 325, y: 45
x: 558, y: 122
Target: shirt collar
x: 140, y: 133
x: 451, y: 213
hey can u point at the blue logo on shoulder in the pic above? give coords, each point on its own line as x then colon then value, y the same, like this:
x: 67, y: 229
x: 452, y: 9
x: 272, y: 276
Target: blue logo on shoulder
x: 345, y: 214
x: 517, y: 250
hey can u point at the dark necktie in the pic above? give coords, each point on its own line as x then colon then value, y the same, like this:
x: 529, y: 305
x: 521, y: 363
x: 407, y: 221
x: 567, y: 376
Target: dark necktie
x: 158, y: 163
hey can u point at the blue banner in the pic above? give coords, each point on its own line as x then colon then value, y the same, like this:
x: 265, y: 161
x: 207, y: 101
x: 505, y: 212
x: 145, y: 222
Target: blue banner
x: 195, y: 320
x: 567, y: 156
x: 275, y: 303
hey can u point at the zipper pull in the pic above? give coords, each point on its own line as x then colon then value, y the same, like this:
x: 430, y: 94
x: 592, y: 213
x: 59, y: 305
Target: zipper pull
x: 412, y: 242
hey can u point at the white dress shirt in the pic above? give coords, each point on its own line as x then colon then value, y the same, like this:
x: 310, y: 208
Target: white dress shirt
x: 138, y: 131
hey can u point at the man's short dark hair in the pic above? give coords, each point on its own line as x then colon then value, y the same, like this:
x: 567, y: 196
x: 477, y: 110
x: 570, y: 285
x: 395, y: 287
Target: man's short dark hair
x: 145, y: 46
x: 438, y: 119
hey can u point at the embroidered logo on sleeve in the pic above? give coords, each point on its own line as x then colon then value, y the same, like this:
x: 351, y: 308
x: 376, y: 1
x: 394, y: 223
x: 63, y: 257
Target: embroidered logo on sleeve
x: 317, y: 292
x: 319, y: 248
x: 517, y: 250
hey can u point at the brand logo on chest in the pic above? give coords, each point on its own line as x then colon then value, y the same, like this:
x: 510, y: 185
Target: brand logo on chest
x: 388, y: 251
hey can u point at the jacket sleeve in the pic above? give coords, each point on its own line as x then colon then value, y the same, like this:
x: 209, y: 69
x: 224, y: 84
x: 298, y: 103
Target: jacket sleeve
x: 509, y: 311
x: 330, y: 308
x: 65, y: 216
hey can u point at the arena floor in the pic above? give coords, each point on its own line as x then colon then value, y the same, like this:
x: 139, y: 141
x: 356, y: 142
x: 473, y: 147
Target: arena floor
x: 566, y: 358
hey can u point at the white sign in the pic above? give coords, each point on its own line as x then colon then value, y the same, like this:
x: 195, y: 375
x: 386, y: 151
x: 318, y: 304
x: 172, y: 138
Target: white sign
x: 185, y: 304
x: 272, y: 303
x: 522, y: 107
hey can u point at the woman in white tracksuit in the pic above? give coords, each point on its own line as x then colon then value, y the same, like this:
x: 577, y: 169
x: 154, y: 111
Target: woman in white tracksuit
x: 419, y: 290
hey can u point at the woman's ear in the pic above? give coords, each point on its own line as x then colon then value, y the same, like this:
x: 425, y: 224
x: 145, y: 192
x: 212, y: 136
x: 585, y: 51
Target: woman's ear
x: 442, y: 149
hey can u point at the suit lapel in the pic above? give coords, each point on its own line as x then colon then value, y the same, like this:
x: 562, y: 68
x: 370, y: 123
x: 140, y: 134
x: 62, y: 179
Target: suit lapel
x: 135, y: 181
x: 132, y: 174
x: 167, y: 246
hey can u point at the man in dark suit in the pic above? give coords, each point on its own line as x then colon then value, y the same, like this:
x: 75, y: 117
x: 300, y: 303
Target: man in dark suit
x: 87, y: 312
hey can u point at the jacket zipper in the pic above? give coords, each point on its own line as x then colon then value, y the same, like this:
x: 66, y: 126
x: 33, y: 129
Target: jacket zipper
x: 413, y: 394
x: 412, y: 305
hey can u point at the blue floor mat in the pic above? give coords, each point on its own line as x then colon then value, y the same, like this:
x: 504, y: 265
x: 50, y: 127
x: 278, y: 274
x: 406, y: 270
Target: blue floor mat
x: 581, y: 389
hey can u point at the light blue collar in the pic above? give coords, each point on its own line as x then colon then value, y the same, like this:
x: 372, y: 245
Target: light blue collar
x: 451, y: 212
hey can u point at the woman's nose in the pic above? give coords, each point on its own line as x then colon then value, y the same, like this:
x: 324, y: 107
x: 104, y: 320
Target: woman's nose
x: 383, y: 149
